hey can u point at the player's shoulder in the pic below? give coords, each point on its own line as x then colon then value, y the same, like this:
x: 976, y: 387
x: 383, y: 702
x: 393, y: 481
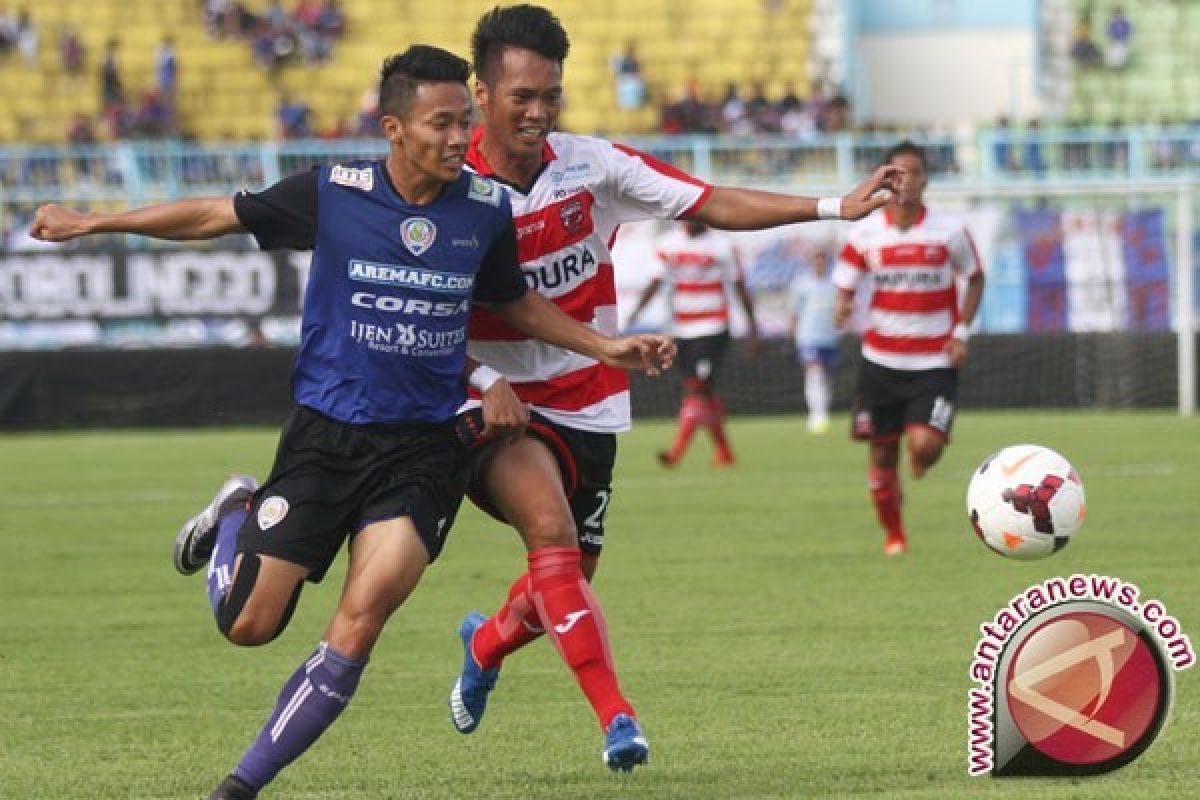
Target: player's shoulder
x: 871, y: 225
x: 481, y: 189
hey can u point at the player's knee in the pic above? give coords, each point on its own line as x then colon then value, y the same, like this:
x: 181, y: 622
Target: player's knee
x: 252, y: 630
x: 925, y: 454
x: 354, y: 633
x: 550, y: 530
x: 588, y: 563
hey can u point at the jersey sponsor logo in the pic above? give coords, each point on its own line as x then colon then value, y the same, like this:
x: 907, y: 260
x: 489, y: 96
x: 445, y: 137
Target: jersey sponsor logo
x: 560, y: 175
x: 559, y: 194
x: 271, y: 512
x: 418, y: 234
x: 409, y: 305
x: 354, y: 178
x: 407, y: 339
x: 484, y: 191
x: 902, y: 279
x: 472, y: 243
x: 570, y: 269
x: 531, y: 228
x: 411, y: 277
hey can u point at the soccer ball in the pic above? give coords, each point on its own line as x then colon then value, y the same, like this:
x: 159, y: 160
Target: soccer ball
x: 1025, y: 502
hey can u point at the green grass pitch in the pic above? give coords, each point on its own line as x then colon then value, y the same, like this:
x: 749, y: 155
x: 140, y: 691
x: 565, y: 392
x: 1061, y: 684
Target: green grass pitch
x: 771, y: 649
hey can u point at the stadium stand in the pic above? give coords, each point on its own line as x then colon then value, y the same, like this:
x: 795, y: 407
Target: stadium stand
x: 1158, y: 80
x: 223, y: 94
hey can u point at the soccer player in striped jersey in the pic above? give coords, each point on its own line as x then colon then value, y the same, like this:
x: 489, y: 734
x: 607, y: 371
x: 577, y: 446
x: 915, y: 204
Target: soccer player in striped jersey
x: 698, y: 265
x: 913, y: 259
x: 569, y: 194
x: 401, y: 249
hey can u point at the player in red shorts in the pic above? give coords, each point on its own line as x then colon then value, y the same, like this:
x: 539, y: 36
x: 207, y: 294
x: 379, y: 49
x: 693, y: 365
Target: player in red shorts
x: 916, y: 337
x: 569, y: 195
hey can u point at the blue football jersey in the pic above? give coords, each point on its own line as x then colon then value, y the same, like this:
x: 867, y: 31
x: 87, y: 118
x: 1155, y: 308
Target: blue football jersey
x: 384, y: 326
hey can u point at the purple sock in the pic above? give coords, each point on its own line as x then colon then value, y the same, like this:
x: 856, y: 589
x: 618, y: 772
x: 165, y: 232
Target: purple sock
x: 220, y: 565
x: 310, y: 701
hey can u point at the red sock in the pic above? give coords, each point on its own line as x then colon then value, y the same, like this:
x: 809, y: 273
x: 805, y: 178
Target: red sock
x: 887, y: 496
x: 692, y: 411
x: 575, y: 623
x: 515, y: 625
x: 716, y: 426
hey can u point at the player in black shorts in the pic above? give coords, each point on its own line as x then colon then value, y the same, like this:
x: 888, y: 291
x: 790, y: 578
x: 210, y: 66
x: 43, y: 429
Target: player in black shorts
x: 370, y: 453
x: 916, y: 337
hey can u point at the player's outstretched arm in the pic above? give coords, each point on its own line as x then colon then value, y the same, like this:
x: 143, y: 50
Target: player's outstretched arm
x: 536, y: 316
x: 193, y: 218
x: 734, y: 209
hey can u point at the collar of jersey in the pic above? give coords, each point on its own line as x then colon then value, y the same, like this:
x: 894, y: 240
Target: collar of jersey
x: 477, y: 162
x: 890, y: 220
x: 381, y: 168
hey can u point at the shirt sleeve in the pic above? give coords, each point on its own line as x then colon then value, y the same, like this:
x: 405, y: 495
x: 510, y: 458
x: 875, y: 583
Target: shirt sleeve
x: 646, y: 187
x: 850, y: 267
x: 500, y: 279
x: 963, y: 254
x: 282, y: 216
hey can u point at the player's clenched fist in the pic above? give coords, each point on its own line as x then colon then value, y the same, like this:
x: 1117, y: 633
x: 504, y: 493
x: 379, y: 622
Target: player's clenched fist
x: 55, y: 223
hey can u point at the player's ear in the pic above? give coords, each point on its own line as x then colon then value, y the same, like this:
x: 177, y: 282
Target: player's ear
x: 392, y: 127
x: 481, y: 95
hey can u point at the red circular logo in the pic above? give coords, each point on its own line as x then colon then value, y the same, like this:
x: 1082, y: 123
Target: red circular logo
x: 1084, y: 688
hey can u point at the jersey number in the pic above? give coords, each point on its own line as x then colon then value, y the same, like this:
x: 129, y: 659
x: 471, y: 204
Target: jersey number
x: 596, y: 519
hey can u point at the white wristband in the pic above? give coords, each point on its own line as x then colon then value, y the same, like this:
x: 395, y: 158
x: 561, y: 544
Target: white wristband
x: 483, y: 377
x: 960, y: 332
x: 829, y: 208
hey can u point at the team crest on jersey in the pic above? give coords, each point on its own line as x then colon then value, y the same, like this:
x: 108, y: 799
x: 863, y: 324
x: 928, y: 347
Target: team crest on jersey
x: 271, y: 512
x: 571, y: 215
x: 418, y: 234
x: 484, y: 191
x: 354, y: 178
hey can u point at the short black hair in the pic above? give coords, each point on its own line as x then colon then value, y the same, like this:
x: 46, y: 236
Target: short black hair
x: 525, y: 26
x: 907, y: 148
x: 421, y: 63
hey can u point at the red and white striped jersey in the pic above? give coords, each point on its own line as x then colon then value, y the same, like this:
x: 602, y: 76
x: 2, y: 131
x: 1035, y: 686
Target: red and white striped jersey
x: 913, y: 273
x: 566, y: 223
x: 697, y: 270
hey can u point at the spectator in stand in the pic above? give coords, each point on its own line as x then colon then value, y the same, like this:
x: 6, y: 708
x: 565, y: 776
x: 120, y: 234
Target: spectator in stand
x: 81, y: 134
x: 152, y: 119
x: 217, y: 14
x: 629, y: 83
x: 694, y: 114
x: 760, y: 111
x: 27, y: 36
x: 1120, y: 31
x: 166, y: 69
x: 1034, y: 162
x: 112, y: 92
x: 8, y: 33
x: 814, y: 105
x: 1002, y: 153
x: 1084, y: 51
x: 72, y: 52
x: 331, y: 21
x: 835, y: 117
x: 294, y: 118
x: 790, y: 100
x: 733, y: 110
x: 366, y: 119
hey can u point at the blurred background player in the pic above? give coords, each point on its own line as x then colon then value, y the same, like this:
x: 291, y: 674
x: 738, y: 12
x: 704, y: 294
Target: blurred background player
x: 569, y: 195
x: 916, y: 334
x: 698, y: 264
x: 814, y: 303
x: 370, y: 451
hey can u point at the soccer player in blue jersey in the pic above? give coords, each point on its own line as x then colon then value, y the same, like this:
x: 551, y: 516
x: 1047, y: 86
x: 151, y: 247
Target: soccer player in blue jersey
x: 401, y: 248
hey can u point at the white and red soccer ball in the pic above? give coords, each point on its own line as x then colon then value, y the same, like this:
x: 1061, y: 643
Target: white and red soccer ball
x: 1025, y: 502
